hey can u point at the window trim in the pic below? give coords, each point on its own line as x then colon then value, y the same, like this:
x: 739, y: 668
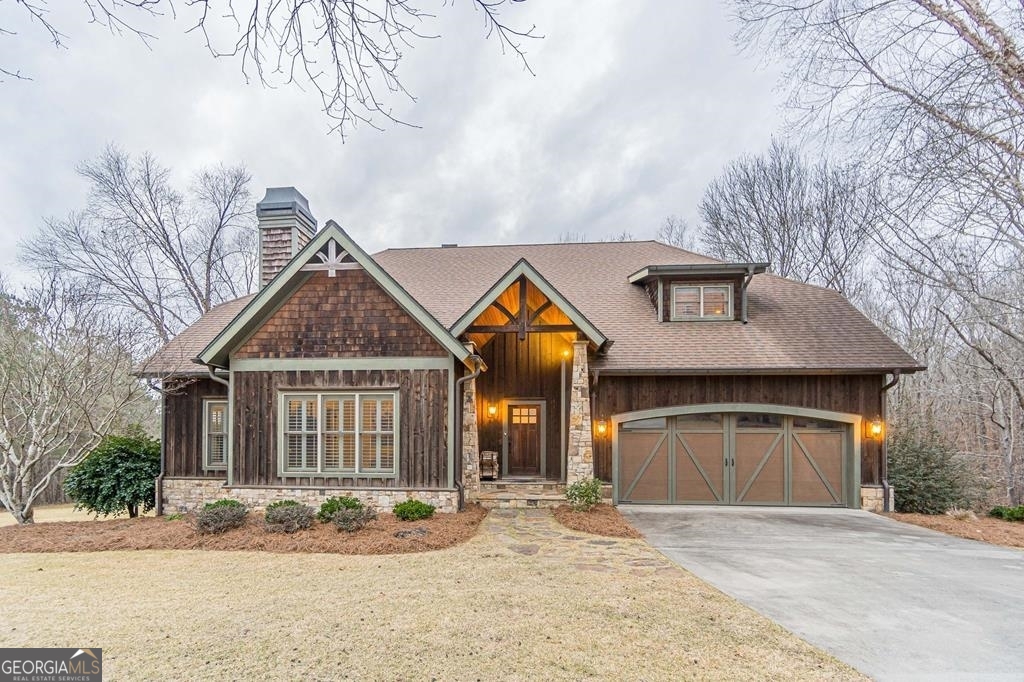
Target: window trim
x: 729, y: 311
x: 207, y: 404
x: 320, y: 470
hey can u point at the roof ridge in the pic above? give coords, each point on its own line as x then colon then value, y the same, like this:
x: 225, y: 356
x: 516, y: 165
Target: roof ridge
x: 520, y: 245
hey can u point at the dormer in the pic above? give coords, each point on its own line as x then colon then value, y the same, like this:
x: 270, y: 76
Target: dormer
x: 700, y: 292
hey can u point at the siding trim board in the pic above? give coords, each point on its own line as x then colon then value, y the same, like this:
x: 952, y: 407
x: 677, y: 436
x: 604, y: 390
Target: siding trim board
x: 314, y: 364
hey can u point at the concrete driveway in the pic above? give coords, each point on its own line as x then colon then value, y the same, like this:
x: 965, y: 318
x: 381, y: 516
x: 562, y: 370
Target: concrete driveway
x: 893, y: 600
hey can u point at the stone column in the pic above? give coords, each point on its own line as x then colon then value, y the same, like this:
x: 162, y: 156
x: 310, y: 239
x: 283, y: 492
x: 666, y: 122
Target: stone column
x: 470, y: 442
x: 579, y: 462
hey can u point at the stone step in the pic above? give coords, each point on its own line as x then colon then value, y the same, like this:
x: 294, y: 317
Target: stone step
x: 518, y: 500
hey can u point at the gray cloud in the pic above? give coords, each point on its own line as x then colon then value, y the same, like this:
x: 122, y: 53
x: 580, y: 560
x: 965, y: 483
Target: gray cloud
x: 633, y: 109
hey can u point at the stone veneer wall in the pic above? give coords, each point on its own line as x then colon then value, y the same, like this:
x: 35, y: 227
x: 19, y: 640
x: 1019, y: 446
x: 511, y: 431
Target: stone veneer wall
x: 470, y: 443
x: 189, y: 494
x: 872, y: 498
x: 580, y: 457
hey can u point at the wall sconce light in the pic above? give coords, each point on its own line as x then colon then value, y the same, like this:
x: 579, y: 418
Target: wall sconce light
x: 566, y: 353
x: 492, y: 410
x: 602, y: 427
x: 874, y: 429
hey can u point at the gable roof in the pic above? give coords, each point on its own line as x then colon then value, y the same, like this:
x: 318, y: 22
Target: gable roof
x: 278, y: 289
x: 520, y: 269
x: 793, y: 327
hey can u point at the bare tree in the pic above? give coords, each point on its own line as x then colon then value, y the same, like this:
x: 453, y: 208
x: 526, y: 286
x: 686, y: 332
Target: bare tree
x: 64, y: 383
x: 811, y: 222
x: 347, y: 52
x: 146, y: 249
x: 675, y: 231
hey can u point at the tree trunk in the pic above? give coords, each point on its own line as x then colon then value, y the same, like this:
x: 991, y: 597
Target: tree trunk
x: 133, y: 511
x: 23, y: 514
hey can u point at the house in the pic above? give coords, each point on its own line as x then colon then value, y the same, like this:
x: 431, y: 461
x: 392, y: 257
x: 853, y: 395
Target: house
x: 674, y: 377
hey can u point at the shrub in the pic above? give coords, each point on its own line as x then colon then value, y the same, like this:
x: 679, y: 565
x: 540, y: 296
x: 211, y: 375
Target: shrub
x: 351, y: 520
x: 220, y: 516
x: 1008, y: 513
x: 288, y: 516
x: 584, y: 494
x: 117, y: 477
x: 413, y: 510
x: 174, y: 517
x: 332, y: 505
x: 928, y: 476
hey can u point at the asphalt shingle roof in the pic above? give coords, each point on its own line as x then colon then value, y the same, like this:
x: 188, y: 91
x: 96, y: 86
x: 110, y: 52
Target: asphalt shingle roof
x: 793, y: 327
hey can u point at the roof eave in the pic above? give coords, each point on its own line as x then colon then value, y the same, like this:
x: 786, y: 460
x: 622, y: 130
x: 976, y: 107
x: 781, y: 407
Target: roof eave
x: 656, y: 271
x: 705, y: 371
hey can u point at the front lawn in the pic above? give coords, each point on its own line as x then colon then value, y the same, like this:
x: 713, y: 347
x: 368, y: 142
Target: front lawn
x: 486, y: 609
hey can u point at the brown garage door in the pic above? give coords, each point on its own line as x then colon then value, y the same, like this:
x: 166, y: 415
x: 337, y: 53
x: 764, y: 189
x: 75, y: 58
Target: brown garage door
x: 733, y: 458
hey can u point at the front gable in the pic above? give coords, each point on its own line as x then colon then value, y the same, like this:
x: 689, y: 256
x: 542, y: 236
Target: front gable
x: 346, y: 316
x: 332, y: 301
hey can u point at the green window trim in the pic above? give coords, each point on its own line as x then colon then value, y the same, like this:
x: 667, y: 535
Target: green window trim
x: 338, y: 433
x: 702, y: 313
x: 215, y: 435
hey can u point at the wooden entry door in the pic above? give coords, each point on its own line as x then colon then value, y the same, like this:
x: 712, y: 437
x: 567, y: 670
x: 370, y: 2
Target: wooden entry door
x: 524, y: 439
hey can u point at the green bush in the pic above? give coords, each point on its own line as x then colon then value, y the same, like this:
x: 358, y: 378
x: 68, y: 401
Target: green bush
x: 584, y: 494
x: 332, y: 505
x: 1008, y: 513
x: 928, y: 476
x: 351, y: 520
x: 413, y: 510
x: 220, y: 516
x: 117, y: 477
x: 288, y: 516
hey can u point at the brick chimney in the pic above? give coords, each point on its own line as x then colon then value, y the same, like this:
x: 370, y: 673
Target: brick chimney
x: 286, y: 225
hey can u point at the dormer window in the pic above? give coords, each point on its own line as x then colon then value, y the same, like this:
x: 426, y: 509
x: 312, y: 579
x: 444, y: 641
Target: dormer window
x: 702, y: 302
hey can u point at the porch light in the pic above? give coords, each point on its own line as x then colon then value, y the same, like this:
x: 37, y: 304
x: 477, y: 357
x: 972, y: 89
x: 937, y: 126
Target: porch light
x: 602, y: 427
x: 492, y: 410
x: 875, y: 429
x: 566, y: 353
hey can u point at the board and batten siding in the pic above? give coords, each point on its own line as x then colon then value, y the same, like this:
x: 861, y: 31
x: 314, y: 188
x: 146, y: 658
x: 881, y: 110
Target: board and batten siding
x: 857, y: 394
x: 422, y: 424
x: 521, y: 370
x: 346, y: 316
x: 183, y: 426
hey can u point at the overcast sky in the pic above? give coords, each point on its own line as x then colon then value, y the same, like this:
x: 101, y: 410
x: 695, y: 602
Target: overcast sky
x: 634, y: 108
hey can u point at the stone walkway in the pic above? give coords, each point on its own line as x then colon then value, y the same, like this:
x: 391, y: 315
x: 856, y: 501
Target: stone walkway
x: 536, y: 533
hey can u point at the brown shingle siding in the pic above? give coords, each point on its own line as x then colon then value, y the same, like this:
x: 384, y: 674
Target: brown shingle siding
x: 345, y: 316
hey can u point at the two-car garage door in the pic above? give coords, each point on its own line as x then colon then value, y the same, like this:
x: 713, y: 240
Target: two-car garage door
x: 733, y: 458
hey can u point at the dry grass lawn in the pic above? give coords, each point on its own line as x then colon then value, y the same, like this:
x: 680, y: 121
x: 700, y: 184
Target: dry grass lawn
x: 52, y: 512
x: 476, y: 611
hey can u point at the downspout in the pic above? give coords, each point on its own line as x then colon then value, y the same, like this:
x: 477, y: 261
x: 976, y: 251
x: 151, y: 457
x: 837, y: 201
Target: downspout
x: 743, y: 294
x: 885, y: 440
x: 478, y: 364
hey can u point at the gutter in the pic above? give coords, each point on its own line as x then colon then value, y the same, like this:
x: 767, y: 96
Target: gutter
x: 478, y: 367
x: 885, y: 441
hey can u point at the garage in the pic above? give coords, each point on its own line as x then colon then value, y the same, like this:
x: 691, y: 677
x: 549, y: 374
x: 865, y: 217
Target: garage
x: 741, y: 457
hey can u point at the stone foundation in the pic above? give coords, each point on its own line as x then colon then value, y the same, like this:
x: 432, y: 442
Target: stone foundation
x: 189, y: 494
x: 872, y: 498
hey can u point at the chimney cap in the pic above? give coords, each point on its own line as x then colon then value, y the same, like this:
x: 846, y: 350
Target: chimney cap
x: 283, y: 200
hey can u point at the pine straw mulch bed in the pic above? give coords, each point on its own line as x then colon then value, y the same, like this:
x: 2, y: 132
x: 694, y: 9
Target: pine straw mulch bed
x: 603, y: 519
x: 984, y: 528
x: 378, y: 537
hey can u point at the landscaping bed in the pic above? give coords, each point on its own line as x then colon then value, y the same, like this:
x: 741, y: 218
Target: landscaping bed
x: 603, y: 519
x: 984, y: 528
x: 378, y: 537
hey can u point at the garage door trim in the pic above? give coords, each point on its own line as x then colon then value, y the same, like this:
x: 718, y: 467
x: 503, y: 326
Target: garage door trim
x: 854, y: 420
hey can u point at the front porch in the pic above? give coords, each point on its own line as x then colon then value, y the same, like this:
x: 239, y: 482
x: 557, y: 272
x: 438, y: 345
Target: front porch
x: 528, y: 413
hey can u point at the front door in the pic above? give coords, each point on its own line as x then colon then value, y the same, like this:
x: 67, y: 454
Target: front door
x: 524, y: 439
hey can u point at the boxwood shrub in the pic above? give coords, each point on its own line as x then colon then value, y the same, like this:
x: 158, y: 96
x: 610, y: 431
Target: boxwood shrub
x: 413, y: 510
x: 332, y: 505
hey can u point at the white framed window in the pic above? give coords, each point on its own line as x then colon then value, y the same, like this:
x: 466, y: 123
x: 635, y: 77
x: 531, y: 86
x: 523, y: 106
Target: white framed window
x: 215, y: 434
x: 352, y: 434
x: 702, y: 302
